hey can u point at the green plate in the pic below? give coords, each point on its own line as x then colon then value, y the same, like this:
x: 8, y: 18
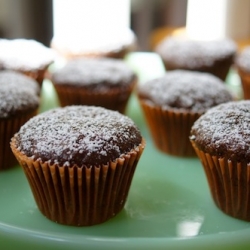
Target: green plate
x: 169, y: 204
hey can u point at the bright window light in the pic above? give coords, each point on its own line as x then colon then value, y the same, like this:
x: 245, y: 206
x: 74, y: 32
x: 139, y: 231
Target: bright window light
x: 215, y: 19
x: 89, y: 21
x: 77, y: 16
x: 206, y: 19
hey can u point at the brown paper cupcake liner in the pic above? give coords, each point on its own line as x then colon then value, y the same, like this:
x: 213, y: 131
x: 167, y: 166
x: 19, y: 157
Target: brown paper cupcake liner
x: 220, y: 68
x: 37, y: 75
x: 229, y: 183
x: 80, y: 196
x: 245, y: 83
x: 115, y: 99
x: 8, y: 127
x: 170, y: 130
x: 118, y: 54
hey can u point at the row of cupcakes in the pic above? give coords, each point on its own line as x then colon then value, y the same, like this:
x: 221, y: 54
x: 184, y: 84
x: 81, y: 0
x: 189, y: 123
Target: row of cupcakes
x: 24, y: 64
x: 203, y: 91
x: 194, y: 114
x: 71, y: 153
x: 32, y: 58
x: 103, y: 82
x: 216, y: 57
x: 220, y: 136
x: 79, y: 160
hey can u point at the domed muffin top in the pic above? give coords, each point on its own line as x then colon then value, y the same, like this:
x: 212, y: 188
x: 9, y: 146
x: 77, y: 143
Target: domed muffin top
x: 99, y: 43
x: 18, y: 94
x: 24, y: 55
x: 185, y: 90
x: 94, y: 73
x: 225, y: 131
x: 78, y: 135
x: 193, y: 54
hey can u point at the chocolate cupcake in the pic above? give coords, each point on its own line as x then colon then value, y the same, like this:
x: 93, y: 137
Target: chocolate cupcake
x: 26, y: 56
x: 19, y: 101
x: 108, y: 43
x: 173, y: 102
x: 214, y: 57
x: 243, y: 67
x: 79, y: 161
x: 101, y: 82
x: 221, y: 139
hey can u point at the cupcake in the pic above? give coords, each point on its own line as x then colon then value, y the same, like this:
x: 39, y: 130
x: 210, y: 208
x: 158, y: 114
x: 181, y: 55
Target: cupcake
x: 101, y: 82
x: 242, y: 64
x: 79, y: 162
x: 25, y: 56
x: 214, y: 57
x: 19, y: 101
x: 108, y: 43
x: 174, y: 101
x: 221, y: 139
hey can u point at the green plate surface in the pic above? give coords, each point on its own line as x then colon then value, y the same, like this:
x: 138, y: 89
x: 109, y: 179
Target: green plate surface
x: 169, y: 204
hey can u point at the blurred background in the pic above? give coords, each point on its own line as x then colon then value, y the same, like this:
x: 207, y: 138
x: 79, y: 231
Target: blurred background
x: 27, y: 19
x: 149, y: 19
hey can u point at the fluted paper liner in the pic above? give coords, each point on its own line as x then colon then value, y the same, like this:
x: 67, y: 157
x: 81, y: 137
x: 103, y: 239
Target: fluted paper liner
x: 115, y: 99
x: 80, y: 196
x: 219, y: 68
x: 229, y: 183
x: 170, y: 129
x: 117, y: 53
x: 8, y: 127
x: 38, y: 74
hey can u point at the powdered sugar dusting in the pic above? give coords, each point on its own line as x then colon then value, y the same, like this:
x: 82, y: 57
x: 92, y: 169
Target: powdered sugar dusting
x: 81, y: 135
x: 18, y: 94
x: 102, y: 41
x: 90, y: 72
x: 24, y: 54
x: 225, y: 130
x: 17, y: 80
x: 193, y: 54
x: 186, y: 90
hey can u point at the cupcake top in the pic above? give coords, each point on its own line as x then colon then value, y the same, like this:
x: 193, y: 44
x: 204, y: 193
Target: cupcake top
x: 243, y: 59
x: 18, y: 94
x: 99, y: 73
x: 14, y: 79
x: 24, y: 55
x: 185, y: 90
x: 192, y: 54
x: 224, y: 131
x: 100, y: 43
x: 78, y: 135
